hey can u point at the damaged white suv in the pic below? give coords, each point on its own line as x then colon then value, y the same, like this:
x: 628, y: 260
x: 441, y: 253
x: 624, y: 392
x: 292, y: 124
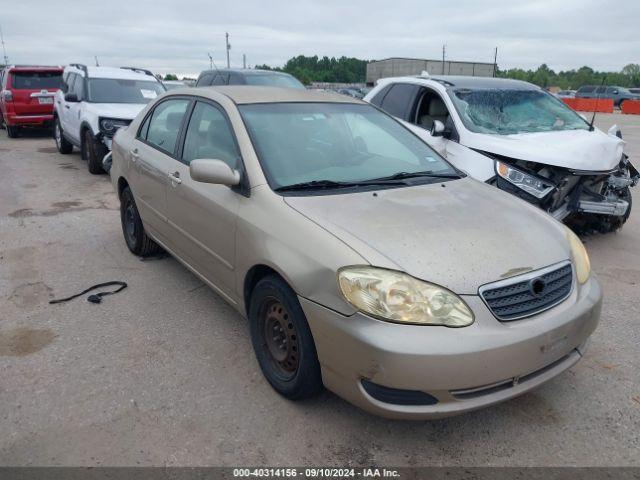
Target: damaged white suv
x: 94, y: 102
x: 519, y: 138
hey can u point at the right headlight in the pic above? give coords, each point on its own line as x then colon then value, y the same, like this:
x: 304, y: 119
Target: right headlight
x: 529, y: 183
x: 580, y: 256
x: 398, y: 297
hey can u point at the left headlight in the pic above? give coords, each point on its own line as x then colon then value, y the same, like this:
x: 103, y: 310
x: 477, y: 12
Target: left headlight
x: 110, y: 125
x: 580, y: 256
x: 529, y: 183
x: 398, y: 297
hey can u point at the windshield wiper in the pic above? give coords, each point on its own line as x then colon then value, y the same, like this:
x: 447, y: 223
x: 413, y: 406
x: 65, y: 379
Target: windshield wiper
x: 406, y: 175
x: 331, y: 184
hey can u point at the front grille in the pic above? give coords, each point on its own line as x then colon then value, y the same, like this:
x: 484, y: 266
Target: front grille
x: 528, y: 294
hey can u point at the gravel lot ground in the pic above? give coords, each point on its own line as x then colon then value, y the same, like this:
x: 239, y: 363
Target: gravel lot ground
x: 164, y: 374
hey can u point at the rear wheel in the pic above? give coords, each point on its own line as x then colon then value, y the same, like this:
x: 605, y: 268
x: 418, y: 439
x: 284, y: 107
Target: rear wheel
x: 138, y: 242
x: 93, y: 153
x: 282, y: 340
x: 12, y: 131
x: 62, y: 144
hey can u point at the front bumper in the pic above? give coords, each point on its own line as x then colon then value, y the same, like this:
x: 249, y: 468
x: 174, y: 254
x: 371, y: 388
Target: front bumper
x: 465, y: 368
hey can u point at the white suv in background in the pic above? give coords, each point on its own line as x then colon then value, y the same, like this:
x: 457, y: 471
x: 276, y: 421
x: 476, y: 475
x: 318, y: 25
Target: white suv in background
x: 94, y: 102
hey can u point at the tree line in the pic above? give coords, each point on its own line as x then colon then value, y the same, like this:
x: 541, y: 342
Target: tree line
x: 353, y: 70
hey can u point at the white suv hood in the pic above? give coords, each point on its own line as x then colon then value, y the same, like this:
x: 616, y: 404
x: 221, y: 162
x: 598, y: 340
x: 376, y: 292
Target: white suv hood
x: 573, y: 149
x: 125, y: 111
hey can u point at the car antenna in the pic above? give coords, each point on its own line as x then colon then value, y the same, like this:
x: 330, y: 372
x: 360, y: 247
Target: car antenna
x: 595, y: 106
x: 213, y: 65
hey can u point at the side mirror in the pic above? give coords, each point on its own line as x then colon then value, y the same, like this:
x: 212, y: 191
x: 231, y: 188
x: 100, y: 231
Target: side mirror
x: 437, y: 129
x: 213, y: 171
x: 71, y: 97
x: 615, y: 131
x: 615, y: 92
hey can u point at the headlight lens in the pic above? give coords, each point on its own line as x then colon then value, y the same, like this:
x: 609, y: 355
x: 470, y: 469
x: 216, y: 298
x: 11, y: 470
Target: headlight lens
x: 580, y: 256
x: 529, y: 183
x: 398, y: 297
x: 110, y: 125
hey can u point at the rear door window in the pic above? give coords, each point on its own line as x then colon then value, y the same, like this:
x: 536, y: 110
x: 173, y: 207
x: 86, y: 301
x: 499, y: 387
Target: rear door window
x: 399, y: 99
x: 36, y: 80
x: 165, y: 124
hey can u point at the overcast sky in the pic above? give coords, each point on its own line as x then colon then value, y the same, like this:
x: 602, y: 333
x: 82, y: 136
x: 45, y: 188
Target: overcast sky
x: 174, y: 36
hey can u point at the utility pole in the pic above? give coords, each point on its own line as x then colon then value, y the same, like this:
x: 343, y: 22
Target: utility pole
x: 444, y: 48
x: 226, y: 36
x: 210, y: 61
x: 495, y: 61
x: 97, y: 64
x: 244, y: 61
x: 4, y: 51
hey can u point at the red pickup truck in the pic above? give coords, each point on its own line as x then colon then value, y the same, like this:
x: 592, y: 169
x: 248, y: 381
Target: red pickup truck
x: 26, y: 98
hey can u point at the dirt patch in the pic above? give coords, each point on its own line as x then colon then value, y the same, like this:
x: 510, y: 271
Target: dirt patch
x: 47, y: 150
x: 66, y: 205
x: 31, y: 294
x: 18, y: 342
x: 68, y: 166
x: 30, y: 185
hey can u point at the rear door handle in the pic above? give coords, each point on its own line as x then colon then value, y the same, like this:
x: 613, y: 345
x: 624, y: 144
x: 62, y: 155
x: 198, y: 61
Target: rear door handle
x: 175, y: 178
x: 67, y: 106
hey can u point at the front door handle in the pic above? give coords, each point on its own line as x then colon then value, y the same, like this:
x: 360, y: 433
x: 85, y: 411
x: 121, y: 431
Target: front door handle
x: 134, y: 155
x: 175, y: 178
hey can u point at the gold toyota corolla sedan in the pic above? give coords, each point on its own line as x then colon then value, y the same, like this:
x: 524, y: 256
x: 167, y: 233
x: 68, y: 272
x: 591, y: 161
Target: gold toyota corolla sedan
x: 363, y: 261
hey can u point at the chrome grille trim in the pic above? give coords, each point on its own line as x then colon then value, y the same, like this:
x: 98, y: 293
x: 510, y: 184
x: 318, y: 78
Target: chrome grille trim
x: 511, y: 299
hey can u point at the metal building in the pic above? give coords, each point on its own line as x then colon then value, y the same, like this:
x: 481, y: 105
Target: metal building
x: 396, y: 67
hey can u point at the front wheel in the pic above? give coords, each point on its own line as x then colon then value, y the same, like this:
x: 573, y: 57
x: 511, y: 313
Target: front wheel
x: 62, y: 144
x: 93, y: 153
x: 282, y: 340
x: 138, y: 242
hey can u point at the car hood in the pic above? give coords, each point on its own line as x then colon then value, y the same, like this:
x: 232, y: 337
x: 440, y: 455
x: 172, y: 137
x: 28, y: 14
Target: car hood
x: 572, y: 149
x: 125, y: 111
x: 459, y: 234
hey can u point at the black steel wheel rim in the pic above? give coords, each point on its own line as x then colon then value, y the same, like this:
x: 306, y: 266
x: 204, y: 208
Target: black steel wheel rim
x: 280, y: 338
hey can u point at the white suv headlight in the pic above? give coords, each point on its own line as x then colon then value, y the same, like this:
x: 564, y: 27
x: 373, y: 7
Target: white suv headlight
x: 529, y: 183
x: 398, y: 297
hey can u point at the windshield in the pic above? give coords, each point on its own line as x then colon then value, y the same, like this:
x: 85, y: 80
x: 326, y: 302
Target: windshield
x: 116, y: 90
x: 273, y: 80
x: 335, y: 142
x: 36, y: 80
x: 513, y: 111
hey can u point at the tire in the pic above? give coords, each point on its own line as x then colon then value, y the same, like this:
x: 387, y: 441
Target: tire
x: 93, y: 153
x: 62, y: 144
x: 2, y: 125
x: 279, y: 325
x: 137, y: 240
x: 12, y: 131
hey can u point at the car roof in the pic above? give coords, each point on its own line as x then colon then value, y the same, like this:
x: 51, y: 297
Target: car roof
x: 111, y: 72
x: 461, y: 81
x: 245, y: 71
x: 243, y: 94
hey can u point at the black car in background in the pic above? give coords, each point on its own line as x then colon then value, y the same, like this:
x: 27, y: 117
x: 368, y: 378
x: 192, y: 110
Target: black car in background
x: 617, y: 94
x: 252, y: 77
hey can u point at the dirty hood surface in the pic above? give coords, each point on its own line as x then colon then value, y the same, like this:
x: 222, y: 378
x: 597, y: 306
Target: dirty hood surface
x: 572, y: 149
x: 460, y: 236
x: 124, y: 111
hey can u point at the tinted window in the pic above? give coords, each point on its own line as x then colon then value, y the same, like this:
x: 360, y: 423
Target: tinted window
x: 36, y: 80
x: 220, y: 79
x: 273, y: 80
x: 77, y: 86
x: 378, y: 97
x: 398, y: 99
x: 116, y: 90
x: 586, y: 89
x: 165, y: 124
x: 601, y: 89
x: 209, y: 136
x: 205, y: 80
